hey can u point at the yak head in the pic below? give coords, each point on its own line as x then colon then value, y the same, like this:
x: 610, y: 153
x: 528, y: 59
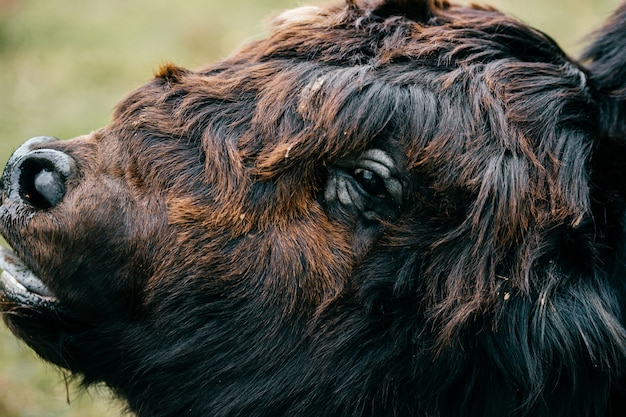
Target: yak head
x: 383, y: 208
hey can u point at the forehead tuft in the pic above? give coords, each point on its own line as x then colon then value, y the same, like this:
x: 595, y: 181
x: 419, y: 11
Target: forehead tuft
x: 306, y: 15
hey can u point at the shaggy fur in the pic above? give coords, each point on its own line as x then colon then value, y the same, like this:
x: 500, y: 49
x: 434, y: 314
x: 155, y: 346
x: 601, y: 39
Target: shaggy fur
x: 384, y: 208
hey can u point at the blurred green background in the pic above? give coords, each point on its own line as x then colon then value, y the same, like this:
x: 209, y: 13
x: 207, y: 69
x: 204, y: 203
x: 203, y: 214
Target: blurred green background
x: 65, y: 63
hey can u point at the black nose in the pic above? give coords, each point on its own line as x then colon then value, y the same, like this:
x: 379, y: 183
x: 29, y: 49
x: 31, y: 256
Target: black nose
x: 37, y: 175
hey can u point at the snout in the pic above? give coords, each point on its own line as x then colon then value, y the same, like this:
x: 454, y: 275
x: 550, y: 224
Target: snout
x: 37, y: 175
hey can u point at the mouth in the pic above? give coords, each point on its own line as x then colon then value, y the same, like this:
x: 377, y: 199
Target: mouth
x: 19, y: 286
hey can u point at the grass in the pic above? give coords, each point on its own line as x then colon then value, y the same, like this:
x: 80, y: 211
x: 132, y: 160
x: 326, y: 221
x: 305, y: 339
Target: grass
x: 65, y: 63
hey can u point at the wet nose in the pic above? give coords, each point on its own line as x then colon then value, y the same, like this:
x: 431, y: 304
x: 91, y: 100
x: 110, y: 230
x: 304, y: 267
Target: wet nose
x: 37, y: 175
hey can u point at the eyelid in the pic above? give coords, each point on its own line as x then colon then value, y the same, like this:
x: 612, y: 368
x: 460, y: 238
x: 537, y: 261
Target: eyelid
x: 384, y: 171
x: 346, y: 188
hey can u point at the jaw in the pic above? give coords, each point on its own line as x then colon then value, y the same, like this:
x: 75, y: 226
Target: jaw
x: 21, y: 287
x: 34, y: 314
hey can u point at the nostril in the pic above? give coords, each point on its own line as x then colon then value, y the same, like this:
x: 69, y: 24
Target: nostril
x: 50, y: 186
x: 37, y: 175
x: 41, y: 177
x: 39, y: 184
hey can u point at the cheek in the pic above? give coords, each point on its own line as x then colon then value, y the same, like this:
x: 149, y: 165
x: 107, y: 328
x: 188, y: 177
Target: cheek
x: 288, y: 267
x: 303, y: 264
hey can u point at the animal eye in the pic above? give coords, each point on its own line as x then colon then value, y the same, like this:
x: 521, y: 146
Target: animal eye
x: 370, y: 182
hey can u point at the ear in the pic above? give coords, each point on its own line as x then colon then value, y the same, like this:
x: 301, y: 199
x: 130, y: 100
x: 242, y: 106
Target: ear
x: 418, y: 10
x: 606, y: 61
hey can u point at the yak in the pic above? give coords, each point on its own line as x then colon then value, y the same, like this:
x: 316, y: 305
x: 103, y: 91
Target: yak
x: 383, y: 208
